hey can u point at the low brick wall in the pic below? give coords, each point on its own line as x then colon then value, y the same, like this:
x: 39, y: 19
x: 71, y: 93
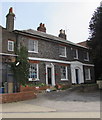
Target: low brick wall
x: 89, y: 88
x: 14, y: 97
x: 23, y: 89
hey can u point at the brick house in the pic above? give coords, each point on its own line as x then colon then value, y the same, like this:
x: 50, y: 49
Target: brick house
x: 52, y: 59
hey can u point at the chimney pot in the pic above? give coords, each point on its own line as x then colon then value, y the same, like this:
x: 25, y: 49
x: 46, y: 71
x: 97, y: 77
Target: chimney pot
x: 62, y: 34
x: 11, y: 10
x: 42, y: 28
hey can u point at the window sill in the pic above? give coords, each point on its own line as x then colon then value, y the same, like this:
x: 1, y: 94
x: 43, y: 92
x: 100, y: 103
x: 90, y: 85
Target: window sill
x: 88, y: 79
x: 33, y: 80
x: 32, y: 52
x: 62, y: 56
x: 86, y: 60
x: 76, y: 58
x: 64, y: 79
x: 11, y: 50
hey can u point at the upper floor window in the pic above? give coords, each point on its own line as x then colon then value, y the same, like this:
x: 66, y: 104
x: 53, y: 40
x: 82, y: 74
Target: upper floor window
x: 75, y: 53
x: 10, y: 45
x: 87, y: 74
x: 64, y: 73
x: 62, y: 50
x: 33, y: 46
x: 33, y: 72
x: 86, y: 57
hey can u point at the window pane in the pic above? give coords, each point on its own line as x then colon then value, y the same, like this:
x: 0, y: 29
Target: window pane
x: 33, y: 72
x: 62, y: 51
x: 33, y: 45
x: 86, y: 56
x: 87, y: 74
x: 75, y: 53
x: 63, y: 72
x: 10, y: 46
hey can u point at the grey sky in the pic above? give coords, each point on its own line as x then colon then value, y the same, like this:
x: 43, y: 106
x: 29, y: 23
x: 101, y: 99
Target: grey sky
x: 70, y: 15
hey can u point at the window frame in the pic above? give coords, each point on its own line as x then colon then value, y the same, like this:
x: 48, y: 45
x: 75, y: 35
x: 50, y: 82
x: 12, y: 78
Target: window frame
x: 9, y: 42
x: 65, y: 52
x: 76, y: 53
x: 89, y: 74
x: 87, y: 56
x: 66, y: 68
x: 36, y: 79
x: 35, y: 46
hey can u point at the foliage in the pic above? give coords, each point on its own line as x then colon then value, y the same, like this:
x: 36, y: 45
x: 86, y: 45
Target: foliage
x: 21, y: 71
x: 62, y: 86
x: 35, y: 85
x: 95, y: 40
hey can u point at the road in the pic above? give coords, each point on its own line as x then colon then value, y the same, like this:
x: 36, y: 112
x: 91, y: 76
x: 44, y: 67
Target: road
x: 63, y: 104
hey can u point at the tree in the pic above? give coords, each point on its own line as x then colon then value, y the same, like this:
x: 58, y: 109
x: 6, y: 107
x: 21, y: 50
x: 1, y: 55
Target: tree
x: 95, y: 40
x: 20, y: 67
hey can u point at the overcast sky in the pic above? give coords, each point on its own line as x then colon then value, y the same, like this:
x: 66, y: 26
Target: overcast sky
x: 70, y: 15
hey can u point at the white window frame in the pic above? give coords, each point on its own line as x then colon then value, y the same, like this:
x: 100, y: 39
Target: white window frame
x: 37, y: 79
x: 87, y: 56
x: 12, y: 45
x: 64, y: 51
x: 66, y: 79
x: 89, y: 74
x: 76, y: 52
x: 35, y: 47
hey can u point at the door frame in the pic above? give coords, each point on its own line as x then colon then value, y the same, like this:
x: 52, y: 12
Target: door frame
x: 50, y: 65
x: 77, y: 65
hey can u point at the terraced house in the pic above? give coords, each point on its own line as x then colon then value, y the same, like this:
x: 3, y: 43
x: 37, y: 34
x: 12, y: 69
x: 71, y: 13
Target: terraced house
x: 52, y: 59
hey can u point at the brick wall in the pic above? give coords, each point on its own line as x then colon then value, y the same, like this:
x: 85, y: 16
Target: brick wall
x: 14, y: 97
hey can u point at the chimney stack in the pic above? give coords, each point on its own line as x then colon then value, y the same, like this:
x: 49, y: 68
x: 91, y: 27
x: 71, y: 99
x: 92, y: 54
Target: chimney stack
x: 62, y: 34
x: 42, y: 28
x: 10, y: 20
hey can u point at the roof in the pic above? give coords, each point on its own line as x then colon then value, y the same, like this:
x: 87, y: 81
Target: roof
x: 84, y: 43
x: 47, y: 36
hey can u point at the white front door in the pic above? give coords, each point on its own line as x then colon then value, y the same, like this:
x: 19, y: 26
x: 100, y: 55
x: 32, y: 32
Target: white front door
x: 50, y: 74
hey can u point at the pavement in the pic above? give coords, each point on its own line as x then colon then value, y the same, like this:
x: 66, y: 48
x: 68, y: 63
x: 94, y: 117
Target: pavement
x: 62, y: 104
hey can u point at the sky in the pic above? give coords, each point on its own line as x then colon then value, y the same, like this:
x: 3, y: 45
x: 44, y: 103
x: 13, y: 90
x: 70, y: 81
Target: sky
x: 73, y: 16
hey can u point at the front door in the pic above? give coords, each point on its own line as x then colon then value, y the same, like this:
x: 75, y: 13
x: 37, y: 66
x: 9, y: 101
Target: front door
x: 49, y: 71
x: 77, y: 75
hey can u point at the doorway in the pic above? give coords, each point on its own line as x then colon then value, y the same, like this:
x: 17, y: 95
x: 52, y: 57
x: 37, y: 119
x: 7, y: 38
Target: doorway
x: 49, y: 71
x: 50, y: 74
x: 77, y: 72
x: 77, y: 75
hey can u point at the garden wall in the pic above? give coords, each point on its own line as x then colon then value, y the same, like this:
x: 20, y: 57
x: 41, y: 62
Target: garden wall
x: 89, y: 87
x: 14, y: 97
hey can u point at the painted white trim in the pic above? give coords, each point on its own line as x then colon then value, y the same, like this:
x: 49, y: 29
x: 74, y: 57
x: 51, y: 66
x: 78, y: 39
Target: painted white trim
x: 32, y: 52
x: 64, y: 51
x: 8, y: 54
x: 49, y: 60
x: 12, y: 44
x: 58, y: 61
x: 77, y: 65
x: 35, y: 46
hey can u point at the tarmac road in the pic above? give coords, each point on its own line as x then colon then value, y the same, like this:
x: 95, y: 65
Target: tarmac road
x: 63, y: 104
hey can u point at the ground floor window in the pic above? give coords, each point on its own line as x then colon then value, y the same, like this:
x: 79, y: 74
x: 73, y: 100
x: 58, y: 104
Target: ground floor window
x: 64, y: 73
x: 87, y: 74
x: 33, y: 72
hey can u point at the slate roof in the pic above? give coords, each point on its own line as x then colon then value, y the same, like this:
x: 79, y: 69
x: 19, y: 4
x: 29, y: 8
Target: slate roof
x: 47, y: 36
